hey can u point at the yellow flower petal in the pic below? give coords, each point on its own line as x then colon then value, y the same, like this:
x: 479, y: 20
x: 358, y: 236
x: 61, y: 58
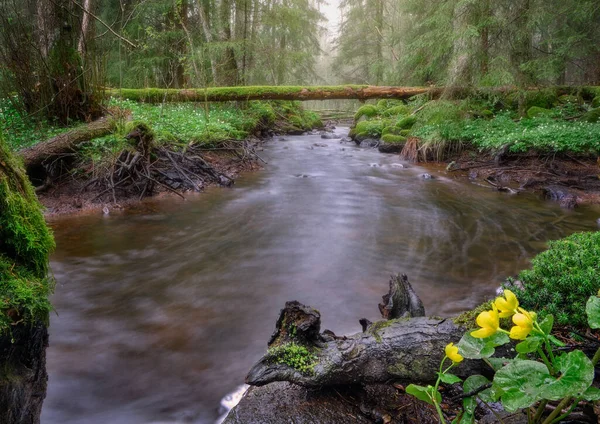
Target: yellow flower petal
x: 507, y: 305
x: 483, y: 333
x: 519, y: 333
x: 452, y: 353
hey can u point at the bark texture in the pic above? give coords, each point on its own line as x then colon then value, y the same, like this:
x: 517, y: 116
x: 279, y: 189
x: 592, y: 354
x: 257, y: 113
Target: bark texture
x: 23, y: 374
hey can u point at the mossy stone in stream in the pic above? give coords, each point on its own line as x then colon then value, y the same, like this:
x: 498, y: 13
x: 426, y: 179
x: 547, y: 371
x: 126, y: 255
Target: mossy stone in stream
x: 393, y: 138
x: 370, y: 111
x: 25, y: 243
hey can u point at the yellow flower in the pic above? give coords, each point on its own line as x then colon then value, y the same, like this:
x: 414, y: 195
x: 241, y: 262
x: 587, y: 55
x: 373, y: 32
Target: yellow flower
x: 452, y: 353
x: 507, y: 305
x: 523, y: 321
x: 489, y: 323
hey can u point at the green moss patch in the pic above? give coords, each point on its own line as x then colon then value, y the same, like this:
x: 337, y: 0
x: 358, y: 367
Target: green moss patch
x: 370, y: 111
x: 563, y: 277
x: 25, y: 243
x: 293, y: 355
x: 393, y: 139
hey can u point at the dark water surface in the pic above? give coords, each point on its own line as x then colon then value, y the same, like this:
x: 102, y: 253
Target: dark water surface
x: 164, y: 308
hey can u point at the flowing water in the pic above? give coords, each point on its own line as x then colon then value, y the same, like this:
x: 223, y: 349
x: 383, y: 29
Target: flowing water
x: 162, y: 309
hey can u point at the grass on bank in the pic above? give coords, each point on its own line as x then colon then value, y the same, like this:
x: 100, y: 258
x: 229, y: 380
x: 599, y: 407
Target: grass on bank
x: 551, y: 124
x: 181, y: 123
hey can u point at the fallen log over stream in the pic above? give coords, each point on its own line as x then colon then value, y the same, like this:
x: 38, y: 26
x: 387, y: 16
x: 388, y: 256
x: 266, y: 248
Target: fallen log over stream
x: 406, y: 350
x: 335, y: 92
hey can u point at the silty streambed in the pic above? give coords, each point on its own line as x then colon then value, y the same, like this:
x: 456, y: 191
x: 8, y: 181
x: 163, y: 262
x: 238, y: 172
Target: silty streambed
x: 162, y: 309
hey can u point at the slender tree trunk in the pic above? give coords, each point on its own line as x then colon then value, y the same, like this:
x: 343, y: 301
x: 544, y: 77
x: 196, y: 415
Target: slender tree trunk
x: 84, y: 36
x: 209, y: 39
x: 379, y: 43
x: 230, y: 71
x: 459, y: 73
x: 485, y: 39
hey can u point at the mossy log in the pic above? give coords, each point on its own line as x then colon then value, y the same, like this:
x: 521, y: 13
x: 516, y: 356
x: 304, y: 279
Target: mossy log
x: 359, y: 92
x: 223, y: 94
x: 63, y: 144
x: 406, y: 350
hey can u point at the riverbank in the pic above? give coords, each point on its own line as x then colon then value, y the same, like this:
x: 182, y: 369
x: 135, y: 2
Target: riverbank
x: 141, y: 150
x: 532, y: 141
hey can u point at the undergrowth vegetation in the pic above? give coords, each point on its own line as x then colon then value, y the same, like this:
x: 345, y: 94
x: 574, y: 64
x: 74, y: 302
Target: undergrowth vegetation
x: 563, y: 277
x: 539, y: 121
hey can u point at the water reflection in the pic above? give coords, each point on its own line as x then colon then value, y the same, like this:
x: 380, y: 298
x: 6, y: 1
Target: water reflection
x: 163, y: 309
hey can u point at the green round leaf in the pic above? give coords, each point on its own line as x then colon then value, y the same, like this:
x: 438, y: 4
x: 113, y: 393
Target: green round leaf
x: 449, y: 378
x: 576, y: 376
x: 592, y: 308
x: 421, y: 393
x: 530, y: 344
x: 473, y: 348
x: 522, y: 383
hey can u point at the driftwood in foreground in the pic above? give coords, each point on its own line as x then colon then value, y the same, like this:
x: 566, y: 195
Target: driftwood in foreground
x: 407, y: 350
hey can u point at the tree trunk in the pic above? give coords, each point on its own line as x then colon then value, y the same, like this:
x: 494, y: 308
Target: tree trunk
x: 23, y: 361
x: 35, y: 156
x: 459, y: 73
x: 407, y: 350
x: 209, y: 39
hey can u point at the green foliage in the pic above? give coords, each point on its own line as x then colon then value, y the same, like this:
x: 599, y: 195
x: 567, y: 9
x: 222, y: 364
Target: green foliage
x: 592, y: 116
x: 392, y: 138
x: 596, y: 102
x: 546, y: 98
x: 23, y: 131
x: 293, y: 355
x: 563, y: 277
x: 370, y: 111
x: 25, y: 243
x: 437, y: 111
x: 542, y: 134
x: 535, y: 111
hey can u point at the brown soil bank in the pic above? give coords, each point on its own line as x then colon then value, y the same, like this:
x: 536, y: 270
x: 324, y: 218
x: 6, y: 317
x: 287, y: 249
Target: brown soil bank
x: 568, y: 180
x: 129, y: 180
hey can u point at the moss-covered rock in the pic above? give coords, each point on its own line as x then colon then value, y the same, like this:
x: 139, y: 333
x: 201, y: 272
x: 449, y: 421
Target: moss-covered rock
x: 393, y: 138
x: 373, y: 128
x: 536, y: 111
x: 545, y: 98
x: 370, y: 111
x: 391, y: 129
x: 25, y: 243
x: 406, y: 123
x: 397, y: 110
x: 592, y: 116
x: 405, y: 133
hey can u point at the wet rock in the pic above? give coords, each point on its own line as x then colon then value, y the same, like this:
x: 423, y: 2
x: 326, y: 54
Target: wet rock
x: 285, y: 403
x: 319, y: 145
x: 345, y: 140
x: 399, y: 165
x: 369, y: 142
x: 562, y: 195
x: 390, y: 147
x: 427, y: 176
x: 330, y: 136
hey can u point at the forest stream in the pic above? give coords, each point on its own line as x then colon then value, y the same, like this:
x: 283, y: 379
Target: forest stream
x: 162, y: 309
